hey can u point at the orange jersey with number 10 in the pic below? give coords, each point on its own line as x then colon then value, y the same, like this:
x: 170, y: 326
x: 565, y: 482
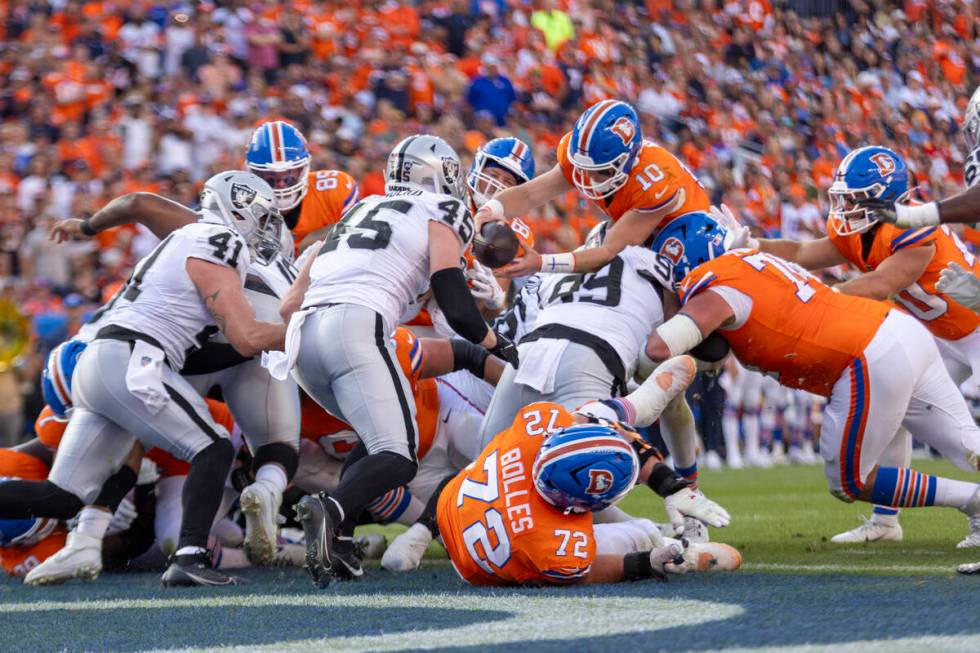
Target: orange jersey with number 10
x: 329, y: 194
x: 657, y: 180
x: 797, y: 329
x: 497, y: 528
x: 944, y: 317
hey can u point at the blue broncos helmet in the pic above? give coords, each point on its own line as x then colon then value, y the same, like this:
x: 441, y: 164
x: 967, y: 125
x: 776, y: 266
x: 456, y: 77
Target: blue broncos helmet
x: 56, y: 377
x: 867, y: 172
x: 278, y: 154
x: 603, y: 148
x: 510, y: 154
x: 25, y: 532
x: 688, y: 241
x: 583, y: 468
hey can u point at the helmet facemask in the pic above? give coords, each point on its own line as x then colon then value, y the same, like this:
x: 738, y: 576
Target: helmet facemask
x: 488, y: 177
x: 289, y: 181
x: 597, y: 182
x: 847, y: 215
x: 260, y: 223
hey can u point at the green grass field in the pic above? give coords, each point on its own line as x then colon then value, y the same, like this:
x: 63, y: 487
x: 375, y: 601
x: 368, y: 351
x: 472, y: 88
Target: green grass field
x: 796, y: 592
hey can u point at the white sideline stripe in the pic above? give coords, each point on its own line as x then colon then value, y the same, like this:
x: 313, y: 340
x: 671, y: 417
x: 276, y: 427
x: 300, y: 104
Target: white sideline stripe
x: 529, y: 617
x: 944, y: 643
x: 904, y: 569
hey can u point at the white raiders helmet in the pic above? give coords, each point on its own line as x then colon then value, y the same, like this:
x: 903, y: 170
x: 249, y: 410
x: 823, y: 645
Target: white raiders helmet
x: 971, y: 121
x: 244, y: 202
x: 425, y: 162
x: 596, y: 235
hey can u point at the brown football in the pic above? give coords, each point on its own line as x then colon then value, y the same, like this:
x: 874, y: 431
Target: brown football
x: 495, y: 245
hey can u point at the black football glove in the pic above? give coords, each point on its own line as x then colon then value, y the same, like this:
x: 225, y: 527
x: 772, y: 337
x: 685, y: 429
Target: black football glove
x: 505, y: 350
x: 880, y: 209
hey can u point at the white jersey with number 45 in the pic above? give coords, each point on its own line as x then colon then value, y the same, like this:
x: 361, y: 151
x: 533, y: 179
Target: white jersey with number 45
x: 162, y: 302
x: 620, y: 303
x: 378, y: 255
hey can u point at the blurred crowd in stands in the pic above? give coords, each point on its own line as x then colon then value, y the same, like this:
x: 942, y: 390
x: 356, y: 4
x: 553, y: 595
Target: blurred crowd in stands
x: 760, y: 98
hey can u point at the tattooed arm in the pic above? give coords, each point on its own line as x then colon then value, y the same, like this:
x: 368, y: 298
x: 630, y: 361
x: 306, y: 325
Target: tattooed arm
x: 221, y: 288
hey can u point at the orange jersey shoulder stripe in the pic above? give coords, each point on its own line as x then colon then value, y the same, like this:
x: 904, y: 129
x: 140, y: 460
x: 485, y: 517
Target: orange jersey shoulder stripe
x: 798, y: 329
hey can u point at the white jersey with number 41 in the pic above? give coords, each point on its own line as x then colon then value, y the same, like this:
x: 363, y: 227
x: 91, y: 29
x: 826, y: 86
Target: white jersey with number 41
x: 378, y: 255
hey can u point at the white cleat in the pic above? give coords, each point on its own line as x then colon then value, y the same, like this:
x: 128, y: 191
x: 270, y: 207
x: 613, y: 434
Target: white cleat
x: 972, y: 510
x: 260, y: 504
x: 712, y: 556
x: 870, y: 530
x: 734, y: 460
x: 778, y: 455
x: 81, y: 557
x: 758, y: 458
x: 405, y: 551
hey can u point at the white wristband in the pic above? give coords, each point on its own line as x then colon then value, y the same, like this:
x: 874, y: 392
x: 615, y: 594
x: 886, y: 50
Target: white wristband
x: 558, y: 262
x: 680, y: 333
x: 495, y: 207
x: 917, y: 216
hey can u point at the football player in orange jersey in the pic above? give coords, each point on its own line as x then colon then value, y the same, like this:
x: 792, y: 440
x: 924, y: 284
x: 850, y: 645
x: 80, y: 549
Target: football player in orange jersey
x: 521, y: 513
x: 511, y: 517
x: 900, y: 263
x: 637, y: 183
x: 876, y: 364
x: 311, y: 202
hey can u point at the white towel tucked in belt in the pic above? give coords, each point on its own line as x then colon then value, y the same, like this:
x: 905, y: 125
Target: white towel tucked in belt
x: 539, y: 364
x: 280, y: 363
x: 144, y: 376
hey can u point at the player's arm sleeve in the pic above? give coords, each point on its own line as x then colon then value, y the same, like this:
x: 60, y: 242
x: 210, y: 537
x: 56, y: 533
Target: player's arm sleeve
x: 454, y: 299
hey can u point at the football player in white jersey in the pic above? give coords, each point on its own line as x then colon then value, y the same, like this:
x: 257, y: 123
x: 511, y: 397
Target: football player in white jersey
x: 266, y: 409
x: 127, y: 385
x: 343, y: 310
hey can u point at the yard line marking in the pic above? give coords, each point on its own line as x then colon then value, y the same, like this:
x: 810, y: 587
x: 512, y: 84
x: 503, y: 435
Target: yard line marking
x: 944, y: 643
x: 905, y: 569
x: 529, y: 617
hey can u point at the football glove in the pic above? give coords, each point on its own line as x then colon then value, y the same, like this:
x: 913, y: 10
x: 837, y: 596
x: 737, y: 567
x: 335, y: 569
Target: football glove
x: 741, y: 235
x: 880, y: 209
x: 691, y: 502
x: 484, y: 286
x: 960, y: 284
x: 672, y: 554
x: 123, y: 518
x: 505, y: 350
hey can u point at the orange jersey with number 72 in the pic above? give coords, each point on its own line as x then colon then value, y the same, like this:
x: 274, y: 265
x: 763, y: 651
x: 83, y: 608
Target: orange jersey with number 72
x: 787, y: 323
x: 497, y: 528
x: 329, y: 194
x: 658, y: 179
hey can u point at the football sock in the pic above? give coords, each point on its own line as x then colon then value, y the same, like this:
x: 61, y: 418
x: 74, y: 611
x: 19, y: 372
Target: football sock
x: 367, y: 479
x: 115, y: 488
x: 94, y: 522
x: 398, y: 505
x: 885, y: 515
x: 677, y: 429
x: 905, y: 487
x: 202, y: 492
x: 730, y: 428
x: 750, y: 424
x: 273, y: 475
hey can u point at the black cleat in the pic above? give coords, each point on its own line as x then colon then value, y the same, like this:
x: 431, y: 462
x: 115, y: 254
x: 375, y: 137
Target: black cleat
x: 319, y: 529
x: 347, y: 556
x: 192, y: 570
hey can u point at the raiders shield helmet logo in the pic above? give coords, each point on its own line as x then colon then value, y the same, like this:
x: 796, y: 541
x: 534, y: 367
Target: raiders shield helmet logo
x: 242, y: 196
x: 624, y: 129
x: 600, y: 480
x: 450, y: 169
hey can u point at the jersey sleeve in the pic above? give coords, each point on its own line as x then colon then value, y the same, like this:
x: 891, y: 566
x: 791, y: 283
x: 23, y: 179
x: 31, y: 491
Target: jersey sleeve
x: 563, y: 549
x: 908, y: 238
x: 562, y: 154
x: 220, y: 245
x: 49, y: 428
x: 457, y: 216
x: 408, y: 349
x: 697, y: 281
